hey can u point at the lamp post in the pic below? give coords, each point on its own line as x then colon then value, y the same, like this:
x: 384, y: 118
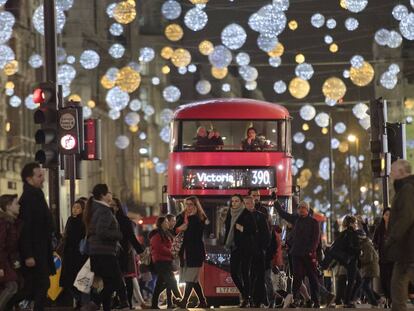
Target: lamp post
x: 354, y: 139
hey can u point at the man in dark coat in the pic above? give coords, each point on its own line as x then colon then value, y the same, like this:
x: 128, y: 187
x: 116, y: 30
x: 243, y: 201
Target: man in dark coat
x: 399, y: 246
x: 262, y: 239
x: 305, y: 240
x: 36, y: 236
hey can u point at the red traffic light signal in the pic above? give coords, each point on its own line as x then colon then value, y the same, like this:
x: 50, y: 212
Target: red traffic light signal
x: 92, y: 150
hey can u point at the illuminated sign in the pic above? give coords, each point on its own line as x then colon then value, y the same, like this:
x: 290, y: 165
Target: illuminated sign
x: 68, y: 142
x: 229, y: 178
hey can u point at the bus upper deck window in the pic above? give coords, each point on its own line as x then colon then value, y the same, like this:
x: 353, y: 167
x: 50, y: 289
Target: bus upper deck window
x: 207, y: 140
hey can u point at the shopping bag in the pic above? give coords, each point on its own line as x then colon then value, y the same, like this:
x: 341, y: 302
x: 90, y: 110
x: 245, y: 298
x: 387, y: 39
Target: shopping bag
x: 84, y: 279
x: 55, y: 289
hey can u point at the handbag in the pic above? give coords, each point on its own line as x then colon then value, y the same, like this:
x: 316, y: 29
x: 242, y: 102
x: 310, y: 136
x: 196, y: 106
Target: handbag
x: 84, y: 278
x: 84, y: 246
x: 177, y: 244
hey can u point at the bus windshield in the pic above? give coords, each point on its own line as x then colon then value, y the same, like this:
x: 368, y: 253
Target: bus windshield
x: 231, y: 135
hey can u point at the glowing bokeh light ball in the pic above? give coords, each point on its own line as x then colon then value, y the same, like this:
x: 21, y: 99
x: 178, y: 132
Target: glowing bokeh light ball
x: 334, y: 88
x: 322, y: 119
x: 382, y: 36
x: 114, y: 114
x: 281, y: 5
x: 155, y: 81
x: 251, y: 85
x: 66, y: 73
x: 171, y: 93
x: 142, y: 136
x: 360, y: 110
x: 195, y: 19
x: 148, y: 110
x: 174, y: 32
x: 116, y: 50
x: 388, y: 80
x: 135, y: 105
x: 112, y: 73
x: 181, y: 58
x: 299, y: 138
x: 171, y: 9
x: 394, y: 40
x: 166, y: 116
x: 15, y: 101
x: 267, y: 44
x: 35, y: 61
x: 146, y: 54
x: 165, y: 134
x: 340, y: 127
x: 335, y: 143
x: 89, y: 59
x: 86, y: 112
x: 330, y: 102
x: 275, y: 61
x: 206, y: 47
x: 233, y: 36
x: 357, y: 61
x: 399, y: 12
x: 203, y: 87
x: 5, y: 33
x: 9, y: 92
x: 132, y: 118
x: 269, y: 21
x: 182, y: 70
x: 2, y: 2
x: 351, y: 24
x: 309, y: 145
x: 304, y: 71
x: 362, y: 76
x: 125, y: 12
x: 307, y: 112
x: 328, y: 39
x: 7, y: 21
x: 71, y: 59
x: 248, y: 73
x: 38, y: 20
x: 116, y: 29
x: 219, y: 73
x: 346, y: 74
x: 117, y: 99
x: 61, y: 54
x: 6, y: 55
x: 394, y: 69
x: 242, y: 59
x: 135, y: 66
x: 226, y: 87
x: 220, y: 57
x: 279, y: 87
x: 356, y: 6
x: 122, y: 142
x: 160, y: 168
x: 317, y: 20
x: 64, y: 4
x: 110, y: 10
x: 365, y: 122
x: 299, y: 88
x: 331, y: 23
x: 29, y: 103
x: 128, y: 79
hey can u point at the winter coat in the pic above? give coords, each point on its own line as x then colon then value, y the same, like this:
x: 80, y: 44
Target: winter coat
x: 305, y: 233
x: 129, y: 245
x: 399, y: 246
x: 9, y: 247
x: 160, y: 248
x: 380, y: 236
x: 37, y: 228
x: 72, y: 258
x: 346, y: 248
x: 103, y: 233
x: 262, y: 236
x: 192, y: 251
x: 368, y: 259
x: 243, y: 241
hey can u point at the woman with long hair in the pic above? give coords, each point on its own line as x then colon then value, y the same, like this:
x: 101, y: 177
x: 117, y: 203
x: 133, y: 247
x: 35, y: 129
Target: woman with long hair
x: 102, y: 230
x: 386, y: 266
x: 191, y: 223
x: 161, y: 242
x: 72, y: 258
x: 239, y: 239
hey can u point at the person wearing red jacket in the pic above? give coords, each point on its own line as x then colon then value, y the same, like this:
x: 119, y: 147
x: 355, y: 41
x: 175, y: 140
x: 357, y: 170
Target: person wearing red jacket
x: 162, y: 258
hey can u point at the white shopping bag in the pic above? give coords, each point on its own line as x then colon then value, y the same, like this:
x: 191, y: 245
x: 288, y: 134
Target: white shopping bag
x: 84, y: 279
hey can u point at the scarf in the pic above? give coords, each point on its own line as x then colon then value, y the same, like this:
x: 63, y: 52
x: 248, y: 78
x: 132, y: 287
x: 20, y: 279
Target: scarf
x: 234, y: 213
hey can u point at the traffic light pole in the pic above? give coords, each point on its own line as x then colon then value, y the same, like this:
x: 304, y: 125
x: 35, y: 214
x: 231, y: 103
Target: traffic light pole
x: 50, y: 65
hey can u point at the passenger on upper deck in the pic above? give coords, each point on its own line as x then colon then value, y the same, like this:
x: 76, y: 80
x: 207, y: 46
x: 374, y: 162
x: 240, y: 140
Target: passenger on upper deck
x: 207, y: 141
x: 252, y: 142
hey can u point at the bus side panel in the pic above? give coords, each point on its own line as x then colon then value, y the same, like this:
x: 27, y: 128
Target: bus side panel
x: 178, y: 160
x: 217, y: 282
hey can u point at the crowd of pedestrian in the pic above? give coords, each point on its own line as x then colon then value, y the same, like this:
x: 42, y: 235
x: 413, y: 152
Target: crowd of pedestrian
x: 133, y: 271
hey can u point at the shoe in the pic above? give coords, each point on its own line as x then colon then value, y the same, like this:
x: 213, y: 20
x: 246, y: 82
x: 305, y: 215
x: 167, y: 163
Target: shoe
x: 245, y: 303
x: 287, y: 301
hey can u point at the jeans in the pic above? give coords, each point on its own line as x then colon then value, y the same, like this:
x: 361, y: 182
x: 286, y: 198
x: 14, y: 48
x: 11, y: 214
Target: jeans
x: 402, y: 274
x: 165, y: 280
x: 257, y: 274
x: 36, y: 285
x: 240, y: 264
x: 366, y: 287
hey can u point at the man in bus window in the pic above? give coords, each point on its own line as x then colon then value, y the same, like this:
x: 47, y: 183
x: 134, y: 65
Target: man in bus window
x: 215, y: 139
x: 202, y: 140
x: 252, y: 142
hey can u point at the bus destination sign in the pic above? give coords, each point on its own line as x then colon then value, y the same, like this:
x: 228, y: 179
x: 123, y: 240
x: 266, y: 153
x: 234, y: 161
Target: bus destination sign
x: 229, y: 178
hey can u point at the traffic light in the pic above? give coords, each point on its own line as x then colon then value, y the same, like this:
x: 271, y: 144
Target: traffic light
x: 379, y: 141
x: 70, y: 137
x: 46, y: 96
x: 92, y: 140
x: 396, y: 141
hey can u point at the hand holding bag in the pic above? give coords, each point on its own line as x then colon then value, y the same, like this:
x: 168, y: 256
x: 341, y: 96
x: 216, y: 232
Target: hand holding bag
x: 84, y: 279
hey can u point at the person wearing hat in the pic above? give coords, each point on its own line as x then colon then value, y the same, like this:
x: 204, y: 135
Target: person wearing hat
x: 305, y: 241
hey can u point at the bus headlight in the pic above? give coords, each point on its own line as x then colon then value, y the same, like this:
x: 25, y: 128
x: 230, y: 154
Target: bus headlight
x: 178, y: 167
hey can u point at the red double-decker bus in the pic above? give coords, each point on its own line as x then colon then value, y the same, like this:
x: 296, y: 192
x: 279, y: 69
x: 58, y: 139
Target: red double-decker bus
x: 215, y: 172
